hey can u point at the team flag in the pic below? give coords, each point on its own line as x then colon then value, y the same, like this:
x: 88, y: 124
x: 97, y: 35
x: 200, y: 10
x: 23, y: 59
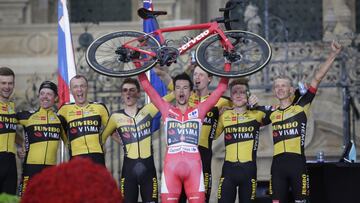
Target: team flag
x: 66, y: 62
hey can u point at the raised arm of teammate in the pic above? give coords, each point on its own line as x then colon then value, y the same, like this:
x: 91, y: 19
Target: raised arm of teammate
x: 324, y: 68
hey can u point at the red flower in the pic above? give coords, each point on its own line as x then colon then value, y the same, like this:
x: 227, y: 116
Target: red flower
x: 79, y: 180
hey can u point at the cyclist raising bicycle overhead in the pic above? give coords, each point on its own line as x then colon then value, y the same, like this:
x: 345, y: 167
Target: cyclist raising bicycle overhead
x: 202, y: 80
x: 182, y: 165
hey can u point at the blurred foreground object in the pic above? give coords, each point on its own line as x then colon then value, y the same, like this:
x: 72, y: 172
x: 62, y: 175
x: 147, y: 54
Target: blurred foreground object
x: 79, y: 180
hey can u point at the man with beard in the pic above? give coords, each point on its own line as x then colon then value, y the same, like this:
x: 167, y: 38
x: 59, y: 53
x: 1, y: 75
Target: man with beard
x: 8, y: 121
x: 182, y: 165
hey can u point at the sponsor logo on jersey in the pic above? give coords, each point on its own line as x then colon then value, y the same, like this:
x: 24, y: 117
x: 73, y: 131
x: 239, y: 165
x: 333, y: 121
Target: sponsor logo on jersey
x: 38, y: 134
x: 193, y: 114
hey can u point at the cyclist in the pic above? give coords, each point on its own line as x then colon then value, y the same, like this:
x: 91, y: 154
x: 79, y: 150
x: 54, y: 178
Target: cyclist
x: 42, y: 134
x: 241, y: 136
x: 201, y: 92
x: 84, y: 120
x: 202, y: 80
x: 134, y: 126
x: 182, y: 165
x: 8, y: 121
x: 289, y: 122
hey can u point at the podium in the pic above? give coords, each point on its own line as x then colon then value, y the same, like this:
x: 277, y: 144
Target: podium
x: 334, y: 182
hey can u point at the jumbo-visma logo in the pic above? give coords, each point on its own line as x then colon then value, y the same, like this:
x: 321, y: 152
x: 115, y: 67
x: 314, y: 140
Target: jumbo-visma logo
x: 85, y: 126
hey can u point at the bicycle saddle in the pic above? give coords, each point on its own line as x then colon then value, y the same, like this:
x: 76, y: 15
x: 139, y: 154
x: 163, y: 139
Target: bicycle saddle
x: 145, y: 14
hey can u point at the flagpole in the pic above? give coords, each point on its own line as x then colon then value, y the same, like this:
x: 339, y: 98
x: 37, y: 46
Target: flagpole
x: 66, y: 61
x: 150, y: 25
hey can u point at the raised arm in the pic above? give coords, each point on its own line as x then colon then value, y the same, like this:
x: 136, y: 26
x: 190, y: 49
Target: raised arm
x: 163, y: 75
x: 211, y: 101
x: 152, y: 93
x: 324, y: 68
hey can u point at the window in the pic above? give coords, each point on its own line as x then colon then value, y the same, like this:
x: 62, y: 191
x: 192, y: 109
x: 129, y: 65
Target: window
x: 100, y: 10
x: 302, y: 20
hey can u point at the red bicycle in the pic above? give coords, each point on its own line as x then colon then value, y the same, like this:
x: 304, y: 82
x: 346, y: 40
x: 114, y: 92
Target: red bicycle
x: 129, y: 53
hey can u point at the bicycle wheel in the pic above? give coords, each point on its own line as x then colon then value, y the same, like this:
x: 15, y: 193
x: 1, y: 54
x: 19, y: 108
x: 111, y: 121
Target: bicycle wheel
x: 108, y: 55
x: 251, y: 53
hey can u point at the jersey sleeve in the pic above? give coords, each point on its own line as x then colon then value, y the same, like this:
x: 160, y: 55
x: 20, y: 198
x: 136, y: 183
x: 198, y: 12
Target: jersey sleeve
x: 63, y: 122
x: 104, y: 115
x: 265, y: 113
x: 308, y: 97
x: 63, y: 135
x: 152, y: 93
x: 220, y: 127
x: 211, y: 101
x: 23, y: 117
x: 109, y: 129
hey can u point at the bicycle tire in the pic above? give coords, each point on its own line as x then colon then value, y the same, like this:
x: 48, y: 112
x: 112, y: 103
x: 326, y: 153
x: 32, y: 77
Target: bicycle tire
x: 103, y: 57
x: 254, y: 50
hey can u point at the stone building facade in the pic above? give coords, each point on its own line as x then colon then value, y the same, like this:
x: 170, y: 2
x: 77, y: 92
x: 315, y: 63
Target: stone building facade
x: 28, y: 44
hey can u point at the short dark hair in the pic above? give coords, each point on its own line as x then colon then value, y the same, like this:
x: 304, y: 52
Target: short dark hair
x: 80, y: 76
x: 131, y: 81
x: 183, y: 76
x: 5, y: 71
x: 49, y: 85
x: 239, y: 81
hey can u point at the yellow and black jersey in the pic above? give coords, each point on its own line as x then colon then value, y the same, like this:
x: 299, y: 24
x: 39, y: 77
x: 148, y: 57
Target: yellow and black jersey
x: 8, y: 124
x: 241, y: 134
x: 289, y: 125
x: 83, y: 126
x: 135, y: 132
x: 210, y: 121
x: 43, y: 130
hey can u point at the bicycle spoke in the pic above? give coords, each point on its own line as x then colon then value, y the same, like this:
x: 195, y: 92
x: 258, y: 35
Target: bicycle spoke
x: 109, y: 56
x: 250, y: 54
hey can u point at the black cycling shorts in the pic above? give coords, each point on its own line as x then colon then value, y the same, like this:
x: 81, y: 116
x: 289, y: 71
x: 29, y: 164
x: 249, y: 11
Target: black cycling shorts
x: 98, y: 158
x: 288, y: 173
x: 8, y: 173
x: 139, y: 173
x: 237, y: 178
x: 29, y: 170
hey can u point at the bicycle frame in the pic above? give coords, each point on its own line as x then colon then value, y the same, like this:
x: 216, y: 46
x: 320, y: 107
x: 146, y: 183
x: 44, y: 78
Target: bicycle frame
x: 209, y: 29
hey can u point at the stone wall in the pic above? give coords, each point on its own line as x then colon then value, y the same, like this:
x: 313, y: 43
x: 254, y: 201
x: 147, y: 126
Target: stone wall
x: 30, y: 49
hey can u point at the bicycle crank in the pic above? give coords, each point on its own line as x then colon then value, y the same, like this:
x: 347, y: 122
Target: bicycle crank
x: 232, y: 56
x: 167, y: 55
x: 125, y: 55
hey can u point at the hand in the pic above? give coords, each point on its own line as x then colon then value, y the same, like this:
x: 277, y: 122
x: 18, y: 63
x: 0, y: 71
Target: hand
x: 224, y: 108
x: 116, y: 137
x: 159, y: 70
x: 253, y: 100
x: 190, y: 69
x: 336, y: 47
x: 21, y: 152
